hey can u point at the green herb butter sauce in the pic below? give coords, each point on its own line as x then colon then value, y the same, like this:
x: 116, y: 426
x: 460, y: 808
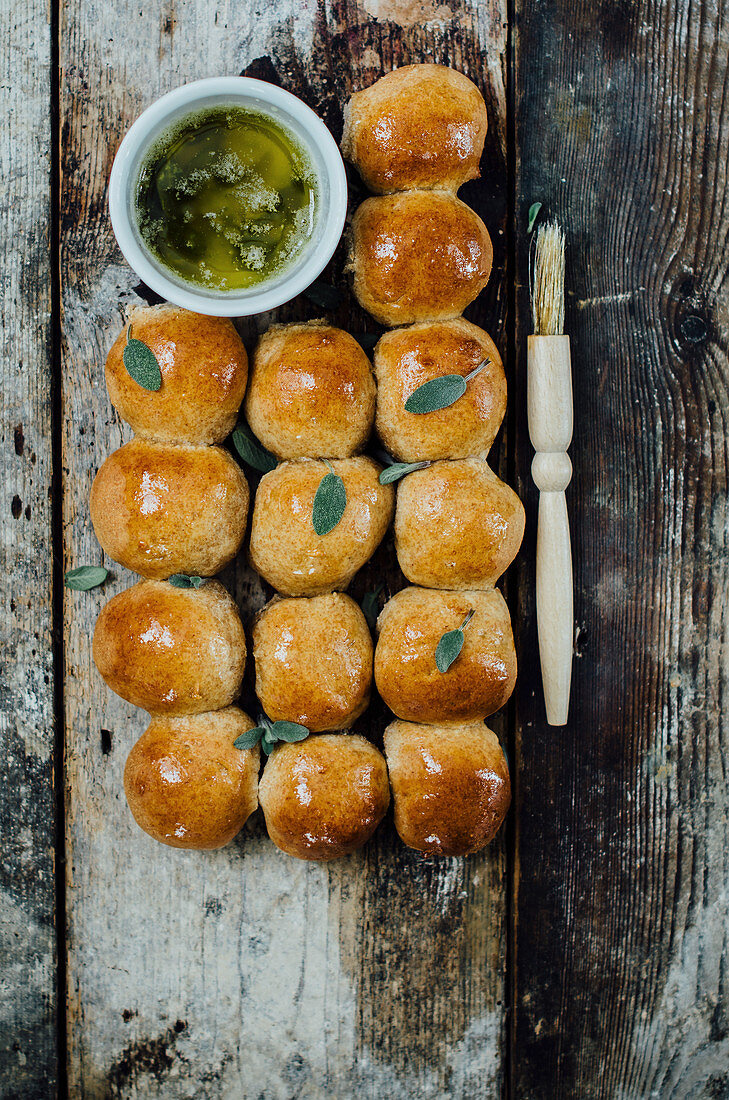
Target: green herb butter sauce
x: 226, y: 198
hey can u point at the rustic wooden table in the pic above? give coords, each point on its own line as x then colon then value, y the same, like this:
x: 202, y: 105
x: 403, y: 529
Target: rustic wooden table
x: 585, y: 954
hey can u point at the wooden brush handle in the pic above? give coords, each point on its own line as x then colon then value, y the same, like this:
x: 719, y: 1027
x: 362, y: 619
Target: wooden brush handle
x: 549, y: 407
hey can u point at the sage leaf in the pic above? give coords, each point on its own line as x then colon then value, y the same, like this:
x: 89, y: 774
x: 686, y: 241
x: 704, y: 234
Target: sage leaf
x: 288, y: 731
x: 436, y: 394
x: 448, y: 649
x: 450, y: 645
x: 183, y: 580
x: 268, y: 742
x: 141, y: 363
x: 85, y: 577
x: 324, y: 295
x: 250, y: 738
x: 533, y: 215
x: 400, y: 469
x: 370, y: 604
x: 439, y: 393
x: 251, y: 451
x: 330, y: 502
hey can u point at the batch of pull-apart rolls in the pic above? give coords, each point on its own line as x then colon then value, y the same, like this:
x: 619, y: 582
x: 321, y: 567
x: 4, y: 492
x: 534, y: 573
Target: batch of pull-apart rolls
x: 173, y: 506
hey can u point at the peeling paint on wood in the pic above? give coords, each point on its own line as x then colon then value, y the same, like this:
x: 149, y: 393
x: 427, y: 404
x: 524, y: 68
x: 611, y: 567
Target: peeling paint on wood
x: 242, y: 973
x: 382, y: 974
x: 27, y: 802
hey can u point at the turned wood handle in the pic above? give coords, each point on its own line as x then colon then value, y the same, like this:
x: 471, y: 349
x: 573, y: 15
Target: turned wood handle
x: 549, y: 407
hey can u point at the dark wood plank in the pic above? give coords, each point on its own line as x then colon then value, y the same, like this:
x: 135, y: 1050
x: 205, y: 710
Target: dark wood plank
x: 240, y: 972
x: 27, y: 799
x: 622, y: 895
x: 447, y: 918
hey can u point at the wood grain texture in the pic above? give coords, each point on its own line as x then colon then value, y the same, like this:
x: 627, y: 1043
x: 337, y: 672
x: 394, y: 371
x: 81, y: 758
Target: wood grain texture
x: 622, y: 897
x: 242, y: 973
x: 27, y: 799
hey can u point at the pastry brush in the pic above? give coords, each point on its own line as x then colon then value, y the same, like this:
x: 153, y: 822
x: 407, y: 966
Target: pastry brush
x: 549, y: 408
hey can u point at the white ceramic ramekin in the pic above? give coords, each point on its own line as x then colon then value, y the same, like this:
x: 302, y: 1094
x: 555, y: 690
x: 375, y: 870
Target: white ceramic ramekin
x: 294, y: 116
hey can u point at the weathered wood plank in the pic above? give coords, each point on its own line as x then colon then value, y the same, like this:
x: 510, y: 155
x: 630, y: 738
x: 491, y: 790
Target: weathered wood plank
x: 27, y: 798
x: 241, y: 973
x: 622, y: 899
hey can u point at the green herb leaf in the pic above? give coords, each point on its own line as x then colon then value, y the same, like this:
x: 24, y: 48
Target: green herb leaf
x: 324, y: 295
x: 250, y: 738
x: 441, y: 392
x: 251, y: 451
x: 330, y: 502
x: 400, y: 469
x: 436, y: 394
x: 533, y: 215
x: 448, y: 648
x: 450, y: 645
x: 85, y: 577
x: 268, y: 733
x: 268, y: 742
x: 183, y: 580
x: 288, y: 731
x: 141, y: 363
x: 370, y: 604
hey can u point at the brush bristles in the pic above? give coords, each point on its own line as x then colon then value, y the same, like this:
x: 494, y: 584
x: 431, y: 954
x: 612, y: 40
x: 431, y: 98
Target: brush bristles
x: 548, y: 282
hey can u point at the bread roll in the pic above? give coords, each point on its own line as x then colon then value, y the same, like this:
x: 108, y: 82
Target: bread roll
x: 311, y: 392
x: 204, y: 370
x: 164, y: 508
x: 313, y: 661
x: 325, y: 796
x: 457, y: 525
x: 419, y: 126
x: 418, y: 256
x: 450, y: 786
x: 286, y: 550
x: 409, y: 357
x: 171, y: 650
x: 186, y: 783
x: 478, y: 682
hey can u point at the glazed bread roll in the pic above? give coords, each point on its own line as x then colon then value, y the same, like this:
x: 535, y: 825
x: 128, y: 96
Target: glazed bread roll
x: 311, y: 392
x: 325, y: 796
x: 478, y: 682
x: 457, y: 525
x: 313, y: 661
x: 204, y: 369
x: 171, y: 650
x: 186, y: 783
x: 450, y: 786
x: 418, y: 126
x: 409, y: 357
x: 286, y: 550
x: 418, y: 256
x: 164, y: 508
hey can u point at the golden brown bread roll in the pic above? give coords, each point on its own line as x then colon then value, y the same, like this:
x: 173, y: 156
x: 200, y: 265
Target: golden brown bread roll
x: 286, y: 550
x: 204, y: 370
x: 186, y: 783
x: 418, y: 256
x: 313, y: 661
x: 478, y: 682
x: 171, y: 650
x: 457, y: 525
x: 409, y: 357
x: 311, y: 392
x: 325, y: 796
x: 164, y: 508
x: 450, y: 786
x: 418, y: 126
